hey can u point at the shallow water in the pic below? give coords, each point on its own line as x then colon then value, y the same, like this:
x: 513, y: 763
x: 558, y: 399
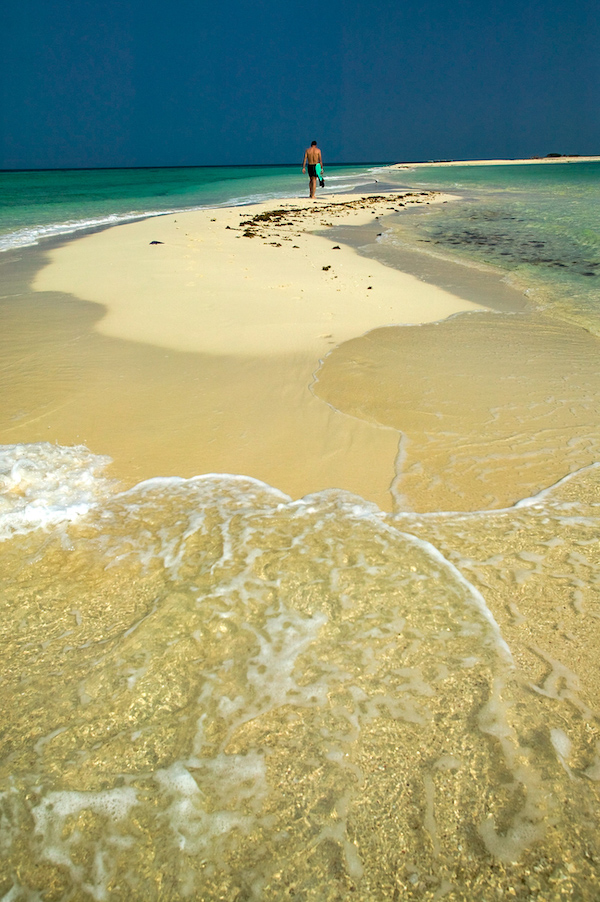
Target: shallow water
x: 540, y: 225
x: 212, y: 691
x: 490, y: 407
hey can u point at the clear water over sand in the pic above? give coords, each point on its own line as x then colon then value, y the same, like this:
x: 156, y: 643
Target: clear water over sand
x: 537, y: 223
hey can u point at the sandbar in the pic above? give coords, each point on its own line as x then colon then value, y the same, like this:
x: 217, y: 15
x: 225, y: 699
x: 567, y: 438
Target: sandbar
x: 201, y: 349
x: 205, y: 282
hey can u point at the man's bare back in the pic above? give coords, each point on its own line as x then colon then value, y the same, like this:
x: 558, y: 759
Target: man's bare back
x: 312, y: 156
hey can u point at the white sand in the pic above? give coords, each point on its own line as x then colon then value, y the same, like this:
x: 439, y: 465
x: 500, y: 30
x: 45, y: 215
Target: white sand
x: 208, y: 289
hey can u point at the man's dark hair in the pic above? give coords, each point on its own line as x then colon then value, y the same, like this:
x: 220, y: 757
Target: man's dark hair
x: 313, y: 143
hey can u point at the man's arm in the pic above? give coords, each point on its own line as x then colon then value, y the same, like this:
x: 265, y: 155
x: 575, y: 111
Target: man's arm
x: 321, y: 162
x: 304, y: 160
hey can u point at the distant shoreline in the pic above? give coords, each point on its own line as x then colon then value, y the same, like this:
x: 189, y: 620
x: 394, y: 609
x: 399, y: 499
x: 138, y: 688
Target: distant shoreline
x: 562, y: 158
x: 530, y: 161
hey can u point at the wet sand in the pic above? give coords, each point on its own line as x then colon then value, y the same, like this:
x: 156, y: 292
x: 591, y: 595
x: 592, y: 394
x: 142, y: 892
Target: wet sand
x: 492, y: 408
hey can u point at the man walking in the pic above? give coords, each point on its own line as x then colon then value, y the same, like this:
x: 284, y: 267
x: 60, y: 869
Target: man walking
x: 312, y: 156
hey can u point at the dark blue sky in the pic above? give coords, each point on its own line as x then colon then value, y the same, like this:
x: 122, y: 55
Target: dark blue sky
x: 131, y: 83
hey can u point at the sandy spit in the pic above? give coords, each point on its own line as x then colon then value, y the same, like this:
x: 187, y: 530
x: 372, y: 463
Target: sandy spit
x: 250, y: 280
x: 200, y: 349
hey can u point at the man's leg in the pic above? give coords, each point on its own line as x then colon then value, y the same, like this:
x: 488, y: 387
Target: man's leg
x: 313, y: 185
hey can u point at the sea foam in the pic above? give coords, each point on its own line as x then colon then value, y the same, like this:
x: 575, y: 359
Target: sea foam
x: 43, y: 484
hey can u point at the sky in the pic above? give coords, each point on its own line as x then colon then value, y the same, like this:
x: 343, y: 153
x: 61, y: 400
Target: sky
x: 182, y: 83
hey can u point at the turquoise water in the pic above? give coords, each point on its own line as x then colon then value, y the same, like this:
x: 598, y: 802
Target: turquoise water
x: 540, y: 224
x: 34, y: 205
